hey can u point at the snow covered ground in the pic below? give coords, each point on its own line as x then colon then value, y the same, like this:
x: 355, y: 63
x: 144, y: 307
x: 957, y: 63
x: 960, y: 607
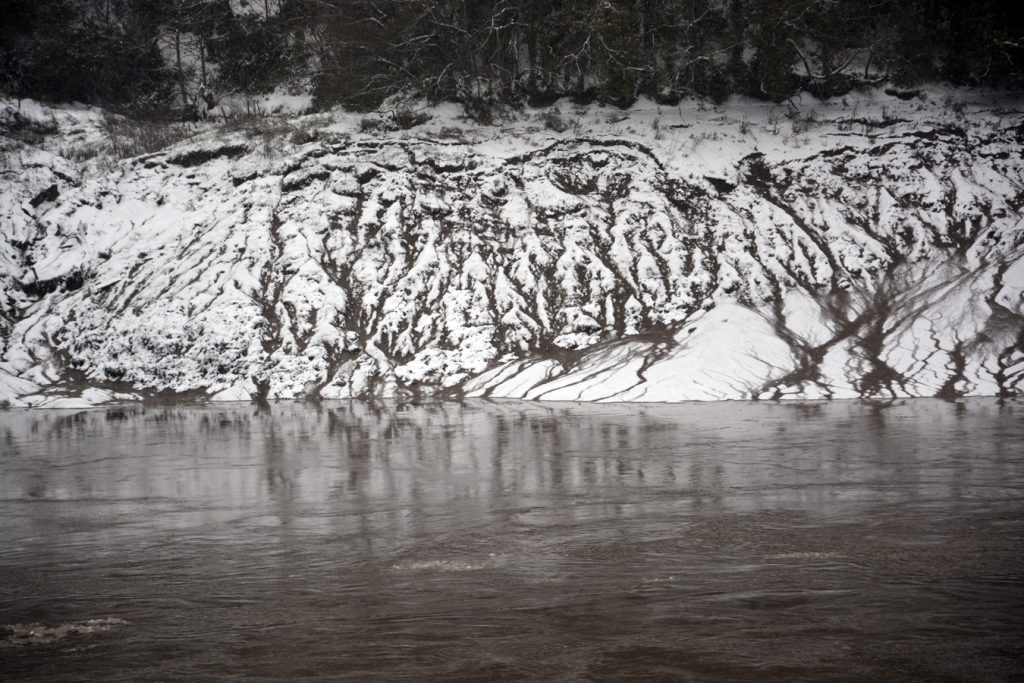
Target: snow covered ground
x: 872, y: 247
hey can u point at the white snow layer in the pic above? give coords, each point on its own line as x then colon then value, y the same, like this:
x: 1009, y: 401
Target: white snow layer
x: 661, y: 254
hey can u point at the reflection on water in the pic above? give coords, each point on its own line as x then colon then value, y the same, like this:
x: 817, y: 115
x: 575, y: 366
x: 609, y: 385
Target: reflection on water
x: 514, y: 540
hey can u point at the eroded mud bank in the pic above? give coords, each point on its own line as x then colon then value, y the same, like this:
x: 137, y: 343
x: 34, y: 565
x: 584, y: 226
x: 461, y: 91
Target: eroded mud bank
x: 844, y: 260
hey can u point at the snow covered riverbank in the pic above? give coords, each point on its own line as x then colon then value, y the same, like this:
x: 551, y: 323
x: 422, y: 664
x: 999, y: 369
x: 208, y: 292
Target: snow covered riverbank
x: 658, y: 254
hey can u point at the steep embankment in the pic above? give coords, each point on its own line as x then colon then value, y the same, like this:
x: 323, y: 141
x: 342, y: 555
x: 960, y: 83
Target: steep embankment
x: 670, y: 255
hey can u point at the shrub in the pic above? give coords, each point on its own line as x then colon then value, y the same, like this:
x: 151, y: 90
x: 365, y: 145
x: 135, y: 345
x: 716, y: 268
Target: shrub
x: 452, y: 133
x: 553, y: 120
x: 406, y: 118
x: 370, y: 125
x: 131, y: 138
x: 304, y: 135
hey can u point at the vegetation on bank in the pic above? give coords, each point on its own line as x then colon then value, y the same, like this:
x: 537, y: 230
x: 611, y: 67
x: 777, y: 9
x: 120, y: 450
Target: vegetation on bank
x: 179, y: 57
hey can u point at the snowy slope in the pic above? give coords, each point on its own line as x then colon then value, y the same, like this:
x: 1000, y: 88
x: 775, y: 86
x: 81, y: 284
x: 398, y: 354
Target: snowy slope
x: 872, y: 249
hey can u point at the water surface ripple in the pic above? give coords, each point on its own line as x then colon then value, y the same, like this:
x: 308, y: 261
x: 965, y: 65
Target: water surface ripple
x: 504, y: 540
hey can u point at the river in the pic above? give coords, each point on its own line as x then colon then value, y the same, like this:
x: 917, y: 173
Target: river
x: 507, y: 540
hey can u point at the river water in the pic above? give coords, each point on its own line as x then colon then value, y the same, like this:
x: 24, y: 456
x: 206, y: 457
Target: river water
x: 504, y: 540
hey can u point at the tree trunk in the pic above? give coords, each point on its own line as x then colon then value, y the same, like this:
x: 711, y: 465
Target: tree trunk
x: 202, y: 60
x: 181, y: 71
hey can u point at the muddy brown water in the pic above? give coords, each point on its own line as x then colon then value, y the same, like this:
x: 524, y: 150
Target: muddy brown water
x: 503, y: 540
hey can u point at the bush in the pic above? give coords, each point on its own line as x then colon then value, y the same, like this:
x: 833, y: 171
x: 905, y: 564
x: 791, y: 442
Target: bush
x: 131, y: 138
x: 307, y: 129
x: 479, y: 110
x: 451, y: 133
x: 553, y: 120
x: 302, y: 136
x: 126, y: 138
x: 369, y: 125
x: 406, y: 118
x: 711, y: 80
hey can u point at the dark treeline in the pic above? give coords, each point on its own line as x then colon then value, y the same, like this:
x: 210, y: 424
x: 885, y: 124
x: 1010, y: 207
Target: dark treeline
x: 159, y: 54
